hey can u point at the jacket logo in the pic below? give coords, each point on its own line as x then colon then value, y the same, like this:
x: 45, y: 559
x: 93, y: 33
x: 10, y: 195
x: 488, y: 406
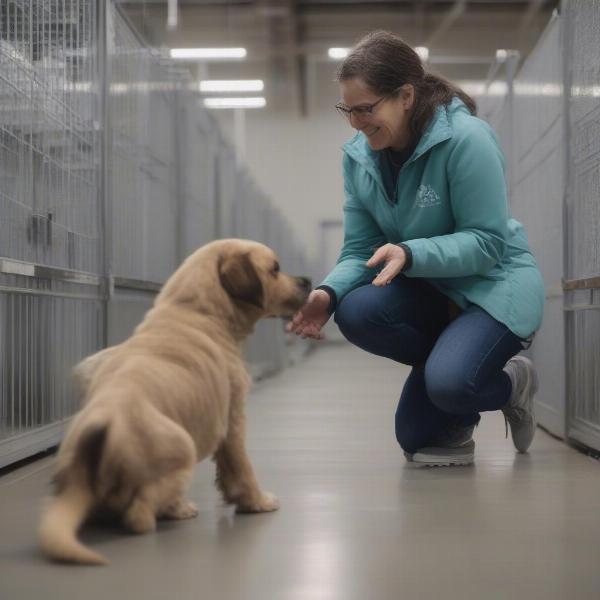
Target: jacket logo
x: 427, y: 196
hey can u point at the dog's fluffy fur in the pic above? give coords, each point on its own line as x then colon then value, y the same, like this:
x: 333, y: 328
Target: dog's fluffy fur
x: 168, y: 397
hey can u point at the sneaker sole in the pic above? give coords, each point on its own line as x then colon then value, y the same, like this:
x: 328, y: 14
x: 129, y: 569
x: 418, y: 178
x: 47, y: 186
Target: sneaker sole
x: 452, y: 457
x: 420, y: 464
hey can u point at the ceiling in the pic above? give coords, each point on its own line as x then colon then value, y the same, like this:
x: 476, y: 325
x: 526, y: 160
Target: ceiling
x: 287, y: 40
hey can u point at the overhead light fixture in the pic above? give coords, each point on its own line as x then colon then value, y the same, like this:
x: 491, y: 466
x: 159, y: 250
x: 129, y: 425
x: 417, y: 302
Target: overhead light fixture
x: 208, y: 53
x: 338, y: 53
x: 423, y: 53
x: 172, y: 14
x: 501, y: 55
x: 590, y: 91
x: 538, y: 89
x: 497, y: 88
x: 255, y: 102
x: 483, y: 88
x: 471, y: 87
x: 232, y: 85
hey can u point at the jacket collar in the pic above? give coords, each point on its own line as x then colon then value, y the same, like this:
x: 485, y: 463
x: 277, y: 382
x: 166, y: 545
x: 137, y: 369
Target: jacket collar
x: 437, y: 131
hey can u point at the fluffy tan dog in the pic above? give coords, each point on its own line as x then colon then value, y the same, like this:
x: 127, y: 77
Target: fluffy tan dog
x: 168, y: 397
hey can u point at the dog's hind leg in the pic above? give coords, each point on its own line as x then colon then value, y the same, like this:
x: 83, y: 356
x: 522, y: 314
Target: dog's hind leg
x: 180, y: 509
x: 164, y: 467
x: 140, y: 517
x: 147, y: 506
x: 162, y: 499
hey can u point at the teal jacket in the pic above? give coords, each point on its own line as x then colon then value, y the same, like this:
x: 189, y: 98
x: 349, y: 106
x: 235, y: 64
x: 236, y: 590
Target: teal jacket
x: 452, y: 212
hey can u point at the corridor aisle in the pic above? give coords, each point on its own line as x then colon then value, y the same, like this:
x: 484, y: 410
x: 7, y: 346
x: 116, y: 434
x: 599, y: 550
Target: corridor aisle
x: 356, y: 522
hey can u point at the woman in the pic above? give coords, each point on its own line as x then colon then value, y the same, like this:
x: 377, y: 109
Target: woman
x: 458, y: 293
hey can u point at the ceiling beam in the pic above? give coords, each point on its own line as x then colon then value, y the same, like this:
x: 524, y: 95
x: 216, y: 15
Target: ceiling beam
x: 534, y: 7
x: 284, y: 64
x: 447, y: 22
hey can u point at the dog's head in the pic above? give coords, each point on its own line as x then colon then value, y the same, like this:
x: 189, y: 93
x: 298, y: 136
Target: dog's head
x: 250, y: 274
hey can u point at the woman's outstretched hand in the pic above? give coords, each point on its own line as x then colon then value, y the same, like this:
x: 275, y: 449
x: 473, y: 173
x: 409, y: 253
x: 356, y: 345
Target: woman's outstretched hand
x: 394, y: 258
x: 311, y: 317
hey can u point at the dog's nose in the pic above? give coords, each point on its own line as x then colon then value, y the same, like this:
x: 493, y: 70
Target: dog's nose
x: 304, y: 282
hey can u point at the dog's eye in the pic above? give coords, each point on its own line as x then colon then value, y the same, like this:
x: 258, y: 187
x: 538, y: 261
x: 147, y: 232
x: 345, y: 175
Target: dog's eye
x: 276, y: 268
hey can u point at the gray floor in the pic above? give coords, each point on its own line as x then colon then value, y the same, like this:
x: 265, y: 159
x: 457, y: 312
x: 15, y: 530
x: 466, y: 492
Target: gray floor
x: 355, y: 523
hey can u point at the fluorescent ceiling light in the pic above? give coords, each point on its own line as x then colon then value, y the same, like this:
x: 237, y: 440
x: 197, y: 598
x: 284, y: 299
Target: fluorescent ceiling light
x: 538, y: 89
x: 423, y: 53
x: 592, y: 91
x: 501, y: 55
x: 472, y: 87
x: 338, y: 53
x: 481, y: 88
x: 232, y: 85
x: 208, y: 53
x: 497, y: 88
x: 172, y: 14
x: 256, y: 102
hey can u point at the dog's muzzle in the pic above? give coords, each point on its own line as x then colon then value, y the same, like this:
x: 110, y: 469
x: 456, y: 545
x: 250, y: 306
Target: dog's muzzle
x: 304, y: 283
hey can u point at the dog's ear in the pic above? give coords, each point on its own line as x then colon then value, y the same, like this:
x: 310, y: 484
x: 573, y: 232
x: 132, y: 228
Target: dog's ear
x: 240, y: 280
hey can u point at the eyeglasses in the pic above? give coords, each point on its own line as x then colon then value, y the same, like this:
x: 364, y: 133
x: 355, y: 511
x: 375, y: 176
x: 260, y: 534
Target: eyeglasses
x: 360, y: 111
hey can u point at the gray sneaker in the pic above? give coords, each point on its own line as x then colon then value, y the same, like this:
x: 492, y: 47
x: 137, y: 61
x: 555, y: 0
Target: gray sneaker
x: 454, y: 436
x: 519, y: 410
x: 432, y: 456
x: 453, y: 447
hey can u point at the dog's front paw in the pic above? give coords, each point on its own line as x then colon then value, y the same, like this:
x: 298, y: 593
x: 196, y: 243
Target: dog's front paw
x: 266, y: 502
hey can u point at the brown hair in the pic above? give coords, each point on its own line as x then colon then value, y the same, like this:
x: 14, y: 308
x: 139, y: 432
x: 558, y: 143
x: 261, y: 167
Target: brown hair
x: 385, y: 62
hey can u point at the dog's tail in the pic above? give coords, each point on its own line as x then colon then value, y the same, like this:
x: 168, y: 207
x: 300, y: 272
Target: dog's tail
x: 73, y: 501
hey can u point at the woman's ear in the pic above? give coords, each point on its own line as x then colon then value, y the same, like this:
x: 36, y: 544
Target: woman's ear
x: 407, y: 93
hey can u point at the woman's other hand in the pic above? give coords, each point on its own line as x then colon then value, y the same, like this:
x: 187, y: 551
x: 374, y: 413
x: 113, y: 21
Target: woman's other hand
x: 311, y: 317
x: 394, y: 258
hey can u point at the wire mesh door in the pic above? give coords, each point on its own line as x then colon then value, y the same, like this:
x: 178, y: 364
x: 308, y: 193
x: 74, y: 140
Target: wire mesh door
x: 50, y: 242
x: 582, y: 269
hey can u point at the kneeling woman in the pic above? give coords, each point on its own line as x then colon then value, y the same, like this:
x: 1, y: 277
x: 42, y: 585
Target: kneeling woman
x: 434, y: 272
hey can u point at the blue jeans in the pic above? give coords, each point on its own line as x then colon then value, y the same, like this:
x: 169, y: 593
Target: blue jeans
x: 456, y: 363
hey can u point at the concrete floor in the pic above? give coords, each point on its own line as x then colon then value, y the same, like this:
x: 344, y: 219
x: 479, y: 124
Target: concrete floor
x: 356, y: 522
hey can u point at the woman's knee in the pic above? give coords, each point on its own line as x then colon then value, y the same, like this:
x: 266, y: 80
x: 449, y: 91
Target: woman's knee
x: 354, y: 315
x: 450, y: 390
x: 363, y: 317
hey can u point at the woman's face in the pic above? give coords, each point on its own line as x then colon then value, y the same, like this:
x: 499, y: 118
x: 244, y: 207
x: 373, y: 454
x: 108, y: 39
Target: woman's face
x: 387, y: 126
